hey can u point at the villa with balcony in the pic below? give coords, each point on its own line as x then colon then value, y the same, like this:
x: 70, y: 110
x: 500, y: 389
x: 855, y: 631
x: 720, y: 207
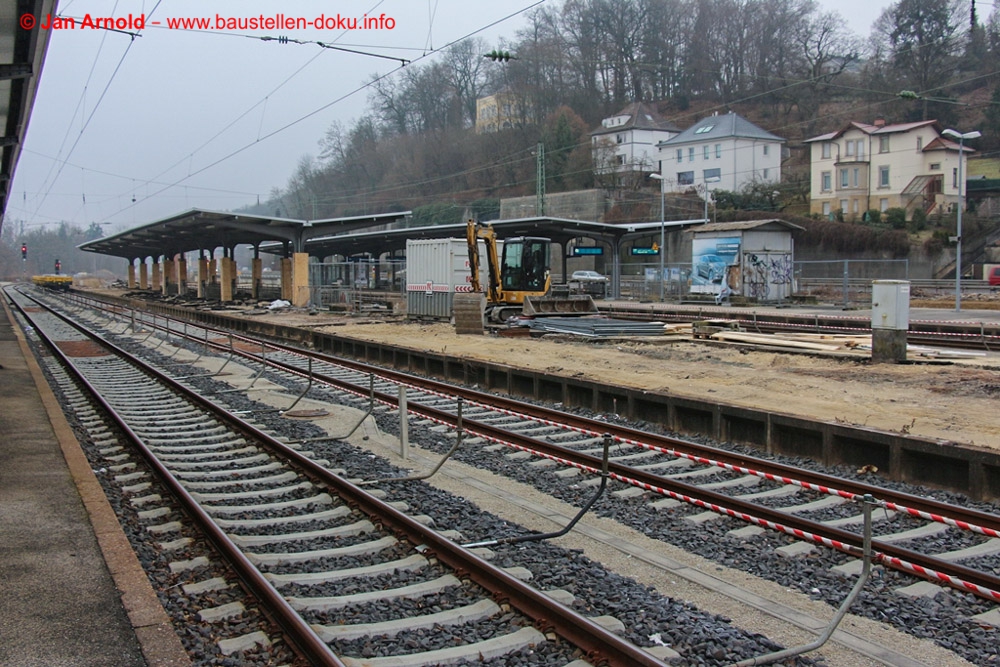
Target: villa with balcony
x: 880, y: 166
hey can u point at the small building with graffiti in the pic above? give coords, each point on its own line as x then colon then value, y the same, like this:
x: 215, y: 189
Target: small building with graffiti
x: 752, y: 259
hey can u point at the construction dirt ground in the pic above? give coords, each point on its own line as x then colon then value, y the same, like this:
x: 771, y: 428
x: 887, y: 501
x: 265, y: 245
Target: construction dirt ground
x: 954, y: 400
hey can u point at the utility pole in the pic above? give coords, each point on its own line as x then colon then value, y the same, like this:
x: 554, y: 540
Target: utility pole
x: 540, y: 179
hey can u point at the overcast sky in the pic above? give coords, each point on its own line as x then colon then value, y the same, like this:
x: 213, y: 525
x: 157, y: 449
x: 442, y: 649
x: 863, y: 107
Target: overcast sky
x: 215, y: 119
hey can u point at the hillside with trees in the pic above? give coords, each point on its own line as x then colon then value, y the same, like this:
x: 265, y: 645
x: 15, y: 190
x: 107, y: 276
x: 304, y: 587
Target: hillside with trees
x: 784, y: 64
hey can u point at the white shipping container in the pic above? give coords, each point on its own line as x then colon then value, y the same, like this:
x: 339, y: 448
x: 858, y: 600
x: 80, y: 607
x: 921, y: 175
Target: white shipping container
x: 435, y: 270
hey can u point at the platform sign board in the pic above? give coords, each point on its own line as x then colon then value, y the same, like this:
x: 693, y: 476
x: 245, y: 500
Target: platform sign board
x: 588, y: 251
x: 645, y: 251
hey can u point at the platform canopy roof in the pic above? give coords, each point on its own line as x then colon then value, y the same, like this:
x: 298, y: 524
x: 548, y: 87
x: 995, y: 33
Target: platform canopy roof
x: 201, y: 229
x: 773, y: 224
x: 22, y: 53
x: 558, y: 230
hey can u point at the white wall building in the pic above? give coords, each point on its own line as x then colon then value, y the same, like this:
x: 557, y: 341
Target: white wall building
x: 627, y: 140
x: 723, y: 152
x: 880, y: 166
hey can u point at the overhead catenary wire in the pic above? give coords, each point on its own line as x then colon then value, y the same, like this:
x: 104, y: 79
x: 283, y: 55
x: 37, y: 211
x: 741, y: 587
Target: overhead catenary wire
x: 93, y: 110
x: 261, y: 137
x: 343, y: 97
x: 247, y: 111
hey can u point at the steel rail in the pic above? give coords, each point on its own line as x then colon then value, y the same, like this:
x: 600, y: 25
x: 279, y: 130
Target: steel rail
x: 930, y: 509
x: 905, y: 560
x: 600, y: 646
x: 968, y: 334
x: 895, y: 557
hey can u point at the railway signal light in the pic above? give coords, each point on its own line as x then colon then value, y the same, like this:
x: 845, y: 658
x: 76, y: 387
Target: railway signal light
x: 24, y: 251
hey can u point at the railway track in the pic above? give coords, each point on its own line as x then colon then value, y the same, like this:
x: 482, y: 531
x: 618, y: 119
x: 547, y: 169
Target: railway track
x: 967, y: 335
x: 715, y: 483
x: 295, y: 532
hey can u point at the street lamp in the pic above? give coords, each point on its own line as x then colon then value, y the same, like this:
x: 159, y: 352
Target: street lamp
x: 714, y: 179
x: 975, y: 134
x: 663, y: 185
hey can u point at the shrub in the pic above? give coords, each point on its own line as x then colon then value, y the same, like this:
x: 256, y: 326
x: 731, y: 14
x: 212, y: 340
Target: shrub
x: 896, y: 217
x: 918, y: 222
x: 874, y: 216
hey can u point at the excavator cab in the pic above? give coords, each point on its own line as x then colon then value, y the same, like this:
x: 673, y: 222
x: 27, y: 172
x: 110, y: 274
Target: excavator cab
x: 525, y: 265
x: 519, y: 278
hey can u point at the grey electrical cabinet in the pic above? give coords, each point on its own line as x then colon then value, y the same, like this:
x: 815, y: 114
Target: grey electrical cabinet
x: 891, y: 304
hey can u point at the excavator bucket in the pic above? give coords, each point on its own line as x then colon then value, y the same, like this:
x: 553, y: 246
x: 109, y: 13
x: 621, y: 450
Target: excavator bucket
x: 540, y: 306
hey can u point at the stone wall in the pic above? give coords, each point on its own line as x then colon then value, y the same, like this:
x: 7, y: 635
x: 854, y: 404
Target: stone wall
x: 588, y: 205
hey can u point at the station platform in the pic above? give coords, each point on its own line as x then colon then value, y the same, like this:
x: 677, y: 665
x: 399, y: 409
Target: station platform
x: 72, y: 592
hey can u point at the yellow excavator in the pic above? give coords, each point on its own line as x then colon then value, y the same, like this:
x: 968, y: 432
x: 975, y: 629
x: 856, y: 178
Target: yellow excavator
x: 519, y: 281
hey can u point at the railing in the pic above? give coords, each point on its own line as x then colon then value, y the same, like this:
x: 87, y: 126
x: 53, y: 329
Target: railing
x: 331, y: 297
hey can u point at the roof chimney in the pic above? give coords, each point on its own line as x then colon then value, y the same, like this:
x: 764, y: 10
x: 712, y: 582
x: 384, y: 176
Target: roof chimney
x: 880, y: 122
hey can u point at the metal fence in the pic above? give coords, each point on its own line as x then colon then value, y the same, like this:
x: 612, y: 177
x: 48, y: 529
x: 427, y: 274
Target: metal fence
x: 845, y: 282
x: 643, y: 282
x: 848, y: 281
x: 372, y: 274
x: 350, y: 299
x: 357, y: 286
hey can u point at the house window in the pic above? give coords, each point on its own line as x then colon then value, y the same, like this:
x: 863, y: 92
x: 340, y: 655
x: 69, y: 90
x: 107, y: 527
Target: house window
x: 826, y: 150
x: 935, y: 166
x: 680, y: 154
x: 766, y: 149
x: 691, y: 154
x: 827, y: 181
x: 843, y: 205
x: 883, y: 177
x: 856, y: 207
x: 718, y: 150
x: 621, y: 159
x: 707, y: 151
x: 883, y: 205
x: 826, y: 208
x: 920, y: 143
x: 883, y: 144
x: 855, y: 177
x: 711, y: 174
x: 843, y: 178
x: 954, y: 178
x: 685, y: 178
x: 861, y: 149
x: 849, y: 149
x: 767, y: 174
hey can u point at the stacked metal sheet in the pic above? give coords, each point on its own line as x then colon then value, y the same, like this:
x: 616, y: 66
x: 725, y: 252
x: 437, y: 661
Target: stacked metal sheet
x: 596, y: 327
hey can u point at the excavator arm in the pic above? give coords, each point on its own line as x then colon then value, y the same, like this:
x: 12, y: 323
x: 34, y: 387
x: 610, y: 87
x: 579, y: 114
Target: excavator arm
x: 474, y: 232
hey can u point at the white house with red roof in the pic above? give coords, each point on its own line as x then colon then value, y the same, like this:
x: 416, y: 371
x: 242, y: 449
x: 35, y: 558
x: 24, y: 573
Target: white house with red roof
x: 881, y: 166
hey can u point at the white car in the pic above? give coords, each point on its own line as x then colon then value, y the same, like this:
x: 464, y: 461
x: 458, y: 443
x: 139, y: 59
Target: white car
x: 588, y: 277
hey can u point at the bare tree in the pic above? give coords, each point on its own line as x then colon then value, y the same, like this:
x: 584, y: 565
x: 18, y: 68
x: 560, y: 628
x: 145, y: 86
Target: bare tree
x: 827, y: 50
x: 464, y: 63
